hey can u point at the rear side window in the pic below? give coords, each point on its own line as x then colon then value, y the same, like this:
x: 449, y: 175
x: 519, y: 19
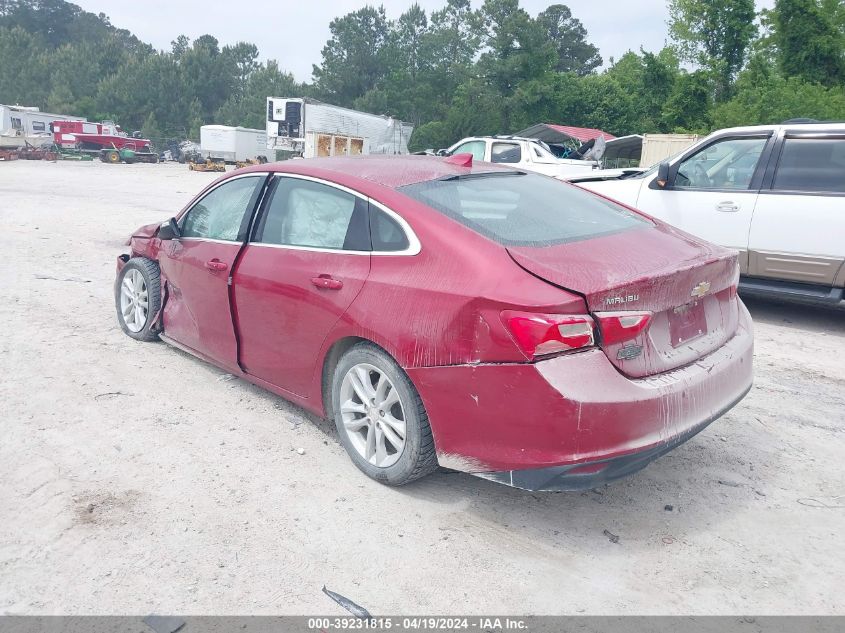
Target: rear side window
x: 505, y: 153
x: 313, y: 215
x: 519, y: 209
x: 813, y: 165
x: 385, y: 232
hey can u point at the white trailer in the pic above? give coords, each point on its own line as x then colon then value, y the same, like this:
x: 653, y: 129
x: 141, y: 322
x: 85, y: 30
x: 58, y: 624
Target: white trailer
x: 232, y: 144
x: 659, y: 147
x: 311, y: 128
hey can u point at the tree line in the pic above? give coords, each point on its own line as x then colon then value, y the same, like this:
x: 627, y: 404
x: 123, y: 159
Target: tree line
x: 455, y: 72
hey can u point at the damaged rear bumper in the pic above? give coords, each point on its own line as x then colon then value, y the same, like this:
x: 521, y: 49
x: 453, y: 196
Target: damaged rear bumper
x: 575, y: 421
x: 589, y: 475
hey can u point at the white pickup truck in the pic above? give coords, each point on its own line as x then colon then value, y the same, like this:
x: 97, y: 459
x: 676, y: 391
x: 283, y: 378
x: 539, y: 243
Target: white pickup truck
x: 525, y: 153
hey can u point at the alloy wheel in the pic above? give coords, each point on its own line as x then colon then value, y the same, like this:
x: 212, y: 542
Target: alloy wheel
x: 372, y: 415
x: 134, y: 300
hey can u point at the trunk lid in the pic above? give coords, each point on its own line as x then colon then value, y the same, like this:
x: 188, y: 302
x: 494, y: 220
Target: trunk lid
x: 687, y: 284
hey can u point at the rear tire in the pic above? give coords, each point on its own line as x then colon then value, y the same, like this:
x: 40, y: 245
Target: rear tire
x: 380, y: 417
x: 137, y: 296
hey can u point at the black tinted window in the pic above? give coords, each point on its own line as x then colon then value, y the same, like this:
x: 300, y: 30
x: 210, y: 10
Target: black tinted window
x: 385, y: 232
x: 811, y: 165
x: 311, y: 214
x: 518, y: 209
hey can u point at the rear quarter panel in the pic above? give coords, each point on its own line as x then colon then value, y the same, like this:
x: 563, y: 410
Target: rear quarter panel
x: 442, y: 306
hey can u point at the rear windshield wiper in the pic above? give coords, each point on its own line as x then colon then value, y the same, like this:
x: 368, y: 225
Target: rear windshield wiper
x: 483, y: 174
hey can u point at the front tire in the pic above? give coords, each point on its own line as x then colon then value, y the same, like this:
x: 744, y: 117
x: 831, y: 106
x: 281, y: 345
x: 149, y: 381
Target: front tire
x: 137, y: 295
x: 380, y: 418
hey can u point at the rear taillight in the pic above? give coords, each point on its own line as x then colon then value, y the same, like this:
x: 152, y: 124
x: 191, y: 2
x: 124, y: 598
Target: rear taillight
x: 543, y: 334
x: 618, y: 327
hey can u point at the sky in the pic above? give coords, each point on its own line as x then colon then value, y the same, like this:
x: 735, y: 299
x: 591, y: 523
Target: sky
x: 294, y: 32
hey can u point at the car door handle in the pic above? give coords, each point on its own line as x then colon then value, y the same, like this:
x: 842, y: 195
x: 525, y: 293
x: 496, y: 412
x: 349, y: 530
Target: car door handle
x: 327, y: 282
x: 727, y: 206
x: 216, y: 264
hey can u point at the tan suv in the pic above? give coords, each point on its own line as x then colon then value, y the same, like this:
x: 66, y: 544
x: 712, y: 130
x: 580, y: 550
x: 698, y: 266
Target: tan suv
x: 775, y: 193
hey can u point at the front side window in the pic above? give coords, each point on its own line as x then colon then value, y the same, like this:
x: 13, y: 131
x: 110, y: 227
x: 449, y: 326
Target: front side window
x: 726, y: 164
x: 523, y: 209
x: 310, y: 214
x: 812, y: 165
x: 476, y: 148
x: 17, y: 124
x: 222, y: 214
x: 506, y: 153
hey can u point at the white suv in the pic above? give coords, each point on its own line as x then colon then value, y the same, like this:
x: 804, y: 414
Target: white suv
x: 523, y: 153
x: 775, y: 193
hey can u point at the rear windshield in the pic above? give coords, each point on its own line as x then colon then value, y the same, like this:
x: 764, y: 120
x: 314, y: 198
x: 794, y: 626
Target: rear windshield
x: 519, y: 209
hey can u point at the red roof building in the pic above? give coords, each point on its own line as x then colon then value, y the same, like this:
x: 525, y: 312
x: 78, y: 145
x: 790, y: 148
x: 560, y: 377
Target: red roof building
x: 551, y: 133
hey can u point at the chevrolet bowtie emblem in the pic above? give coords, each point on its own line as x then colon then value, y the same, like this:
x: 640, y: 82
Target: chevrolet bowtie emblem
x: 700, y: 290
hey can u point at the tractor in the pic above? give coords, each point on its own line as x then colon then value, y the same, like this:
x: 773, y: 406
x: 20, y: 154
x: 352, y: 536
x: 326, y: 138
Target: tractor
x: 127, y: 154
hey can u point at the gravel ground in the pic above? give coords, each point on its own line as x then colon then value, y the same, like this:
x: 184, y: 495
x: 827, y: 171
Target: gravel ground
x: 136, y: 478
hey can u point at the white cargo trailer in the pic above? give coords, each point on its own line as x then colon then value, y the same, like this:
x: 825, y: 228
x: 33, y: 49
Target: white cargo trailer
x: 232, y: 144
x: 311, y: 128
x: 658, y: 147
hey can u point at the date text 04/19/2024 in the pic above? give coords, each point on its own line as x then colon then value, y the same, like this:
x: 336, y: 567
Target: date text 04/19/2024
x: 420, y: 623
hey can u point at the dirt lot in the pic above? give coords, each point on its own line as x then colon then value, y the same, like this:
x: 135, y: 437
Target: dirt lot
x: 137, y: 479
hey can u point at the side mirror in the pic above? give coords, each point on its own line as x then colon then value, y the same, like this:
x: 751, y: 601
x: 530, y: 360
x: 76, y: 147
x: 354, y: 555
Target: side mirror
x: 442, y: 152
x: 169, y: 230
x: 662, y: 179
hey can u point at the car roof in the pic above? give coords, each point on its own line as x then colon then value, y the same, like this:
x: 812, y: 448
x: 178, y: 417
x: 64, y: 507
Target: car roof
x: 391, y: 171
x: 499, y: 137
x: 821, y: 126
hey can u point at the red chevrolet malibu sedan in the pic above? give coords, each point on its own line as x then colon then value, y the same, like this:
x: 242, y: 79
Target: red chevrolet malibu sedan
x: 475, y: 317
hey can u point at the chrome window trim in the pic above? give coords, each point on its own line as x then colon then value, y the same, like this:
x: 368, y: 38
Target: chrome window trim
x: 221, y: 183
x: 310, y: 249
x: 414, y: 246
x: 207, y: 239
